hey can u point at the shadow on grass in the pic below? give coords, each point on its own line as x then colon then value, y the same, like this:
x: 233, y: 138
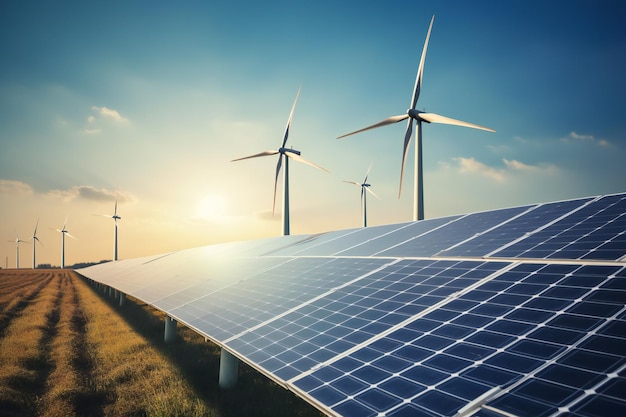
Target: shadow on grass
x: 254, y: 395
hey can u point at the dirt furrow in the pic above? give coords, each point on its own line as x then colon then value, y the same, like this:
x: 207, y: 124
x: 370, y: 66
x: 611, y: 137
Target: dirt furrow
x: 19, y: 302
x: 90, y: 400
x: 24, y: 356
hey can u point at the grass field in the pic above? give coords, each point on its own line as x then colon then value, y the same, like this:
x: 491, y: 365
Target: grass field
x: 68, y: 350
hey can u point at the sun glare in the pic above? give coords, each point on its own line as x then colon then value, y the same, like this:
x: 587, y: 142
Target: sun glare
x: 212, y: 206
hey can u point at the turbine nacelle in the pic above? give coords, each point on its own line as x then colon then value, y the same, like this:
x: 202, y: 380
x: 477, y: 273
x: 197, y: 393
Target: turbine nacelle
x: 288, y: 150
x: 415, y: 114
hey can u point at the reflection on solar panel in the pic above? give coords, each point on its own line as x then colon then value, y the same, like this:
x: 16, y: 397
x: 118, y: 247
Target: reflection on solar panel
x: 514, y: 312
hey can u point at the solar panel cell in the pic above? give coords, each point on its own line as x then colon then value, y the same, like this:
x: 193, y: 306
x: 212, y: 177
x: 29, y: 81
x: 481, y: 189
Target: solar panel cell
x: 390, y: 321
x: 600, y: 406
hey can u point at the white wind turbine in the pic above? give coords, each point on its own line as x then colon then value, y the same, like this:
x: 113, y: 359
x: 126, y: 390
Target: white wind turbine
x: 418, y: 116
x: 63, y: 232
x: 365, y: 188
x: 35, y: 239
x: 115, y: 218
x: 286, y: 153
x: 17, y: 249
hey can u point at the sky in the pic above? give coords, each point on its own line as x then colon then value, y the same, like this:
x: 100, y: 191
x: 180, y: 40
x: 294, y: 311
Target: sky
x: 147, y: 103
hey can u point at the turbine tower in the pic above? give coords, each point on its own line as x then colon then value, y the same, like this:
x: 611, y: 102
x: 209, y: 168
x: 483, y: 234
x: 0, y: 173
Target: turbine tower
x: 35, y: 239
x: 418, y: 116
x: 63, y: 232
x: 365, y: 188
x: 17, y: 249
x: 286, y: 153
x: 115, y: 218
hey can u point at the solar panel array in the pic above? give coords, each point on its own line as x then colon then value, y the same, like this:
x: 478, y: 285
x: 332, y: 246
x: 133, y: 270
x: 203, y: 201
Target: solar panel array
x: 520, y: 311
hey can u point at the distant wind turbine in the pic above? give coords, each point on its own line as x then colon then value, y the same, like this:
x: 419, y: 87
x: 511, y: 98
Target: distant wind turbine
x: 419, y: 117
x: 115, y: 218
x: 365, y: 188
x: 35, y: 239
x: 17, y: 249
x: 287, y: 153
x: 63, y: 232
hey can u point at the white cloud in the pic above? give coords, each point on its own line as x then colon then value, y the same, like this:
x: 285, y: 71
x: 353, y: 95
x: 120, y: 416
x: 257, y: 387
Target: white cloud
x: 13, y: 187
x: 471, y: 165
x: 518, y: 166
x: 89, y: 192
x: 576, y: 136
x: 573, y: 136
x: 511, y: 168
x: 103, y: 114
x: 109, y: 114
x: 515, y: 165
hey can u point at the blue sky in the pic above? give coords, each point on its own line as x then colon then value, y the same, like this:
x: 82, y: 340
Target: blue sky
x: 147, y: 103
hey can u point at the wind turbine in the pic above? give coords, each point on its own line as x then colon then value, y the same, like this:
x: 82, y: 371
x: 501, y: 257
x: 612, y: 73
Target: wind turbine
x: 286, y: 153
x: 35, y: 239
x: 365, y: 188
x: 17, y: 249
x: 63, y: 232
x: 418, y: 116
x: 115, y: 218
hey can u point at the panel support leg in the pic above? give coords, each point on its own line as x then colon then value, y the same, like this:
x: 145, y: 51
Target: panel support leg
x: 229, y: 370
x: 122, y: 298
x: 170, y: 330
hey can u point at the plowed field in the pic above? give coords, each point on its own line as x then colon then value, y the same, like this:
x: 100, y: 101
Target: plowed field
x: 68, y: 350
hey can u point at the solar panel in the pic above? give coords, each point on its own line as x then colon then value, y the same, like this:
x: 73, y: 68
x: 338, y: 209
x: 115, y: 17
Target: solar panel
x: 520, y: 311
x: 535, y: 337
x: 452, y: 233
x: 596, y: 231
x: 517, y: 227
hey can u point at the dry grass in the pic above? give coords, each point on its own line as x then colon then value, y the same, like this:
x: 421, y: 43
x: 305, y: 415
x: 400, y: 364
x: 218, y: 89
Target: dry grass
x: 24, y: 351
x: 137, y: 379
x: 68, y: 350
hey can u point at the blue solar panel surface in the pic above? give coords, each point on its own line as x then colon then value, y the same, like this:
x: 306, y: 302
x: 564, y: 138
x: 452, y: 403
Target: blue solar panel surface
x: 596, y: 231
x: 520, y: 311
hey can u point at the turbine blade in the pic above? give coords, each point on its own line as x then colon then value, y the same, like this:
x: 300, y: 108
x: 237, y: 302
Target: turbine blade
x: 372, y: 192
x: 298, y: 158
x: 264, y: 153
x: 278, y: 165
x: 436, y: 118
x: 352, y: 182
x: 420, y: 70
x: 36, y: 224
x: 367, y: 174
x: 290, y: 117
x: 407, y: 142
x: 73, y: 237
x: 387, y: 121
x: 115, y: 211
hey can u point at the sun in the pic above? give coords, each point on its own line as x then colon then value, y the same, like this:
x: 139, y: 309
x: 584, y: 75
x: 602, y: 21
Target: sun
x: 211, y: 206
